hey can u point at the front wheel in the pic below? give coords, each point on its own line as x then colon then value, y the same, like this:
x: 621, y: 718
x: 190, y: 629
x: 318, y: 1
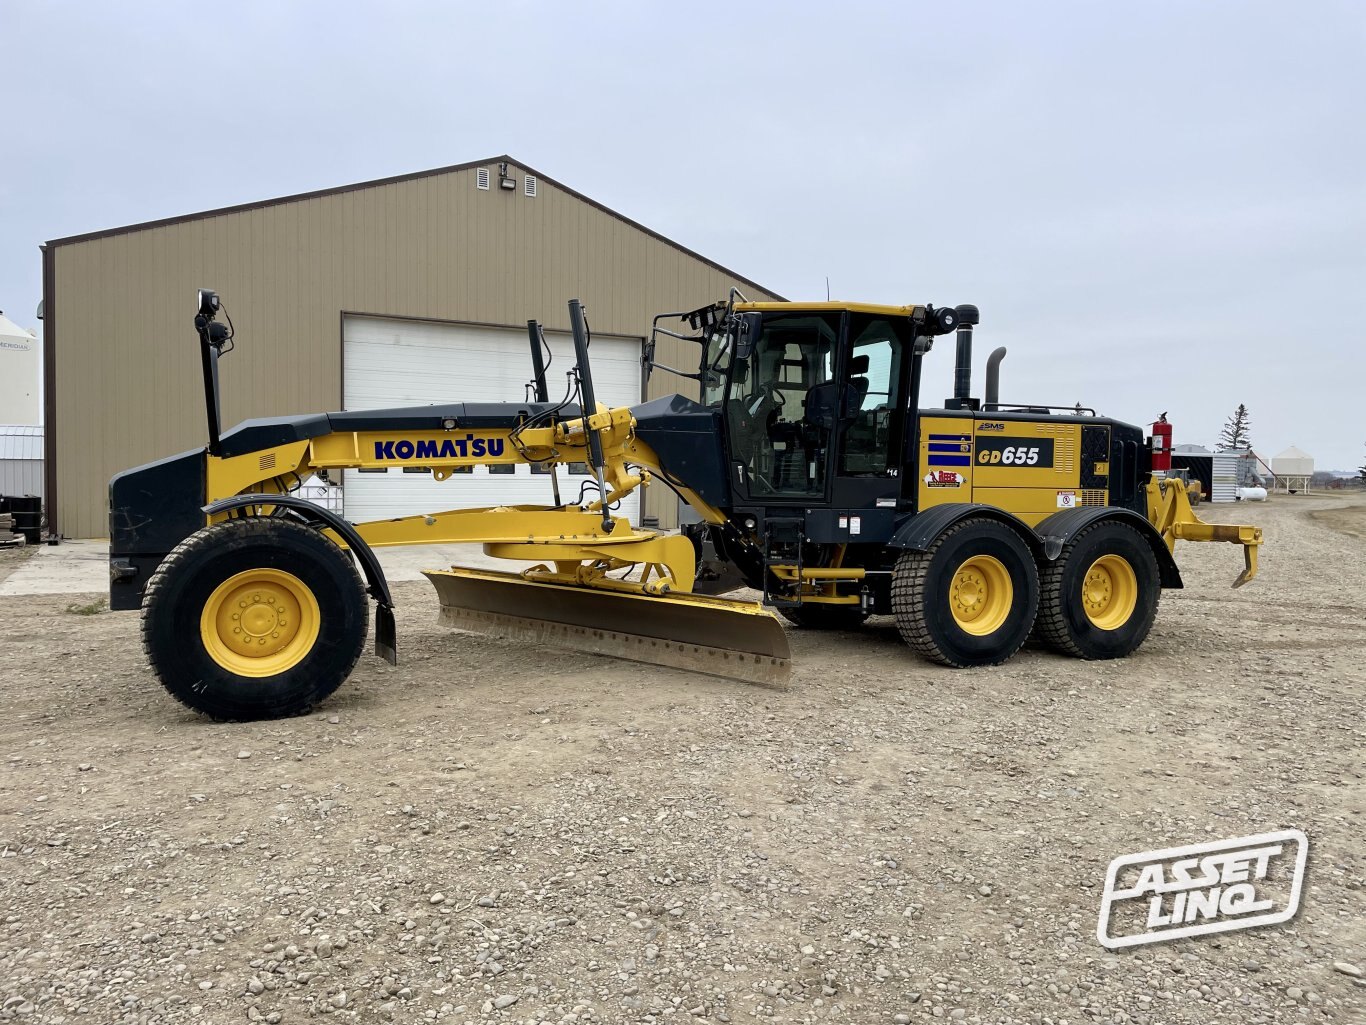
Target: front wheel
x: 1099, y: 596
x: 971, y: 598
x: 254, y: 618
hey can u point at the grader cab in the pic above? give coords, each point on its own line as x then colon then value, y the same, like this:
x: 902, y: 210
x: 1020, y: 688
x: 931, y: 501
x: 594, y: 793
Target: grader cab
x: 813, y: 476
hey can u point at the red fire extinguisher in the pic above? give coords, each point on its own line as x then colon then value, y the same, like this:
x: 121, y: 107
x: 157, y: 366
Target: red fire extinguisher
x: 1162, y: 444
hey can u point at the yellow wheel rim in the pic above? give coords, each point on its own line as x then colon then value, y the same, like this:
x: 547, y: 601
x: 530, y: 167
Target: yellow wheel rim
x: 260, y: 622
x: 980, y: 595
x: 1109, y: 592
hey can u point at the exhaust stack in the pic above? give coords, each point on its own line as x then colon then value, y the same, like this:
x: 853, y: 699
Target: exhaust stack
x: 962, y: 372
x: 993, y: 398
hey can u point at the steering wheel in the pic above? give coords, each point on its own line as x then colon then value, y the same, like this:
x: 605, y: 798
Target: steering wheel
x: 766, y: 402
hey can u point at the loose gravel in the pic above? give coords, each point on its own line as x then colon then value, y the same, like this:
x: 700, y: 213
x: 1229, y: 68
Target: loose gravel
x: 494, y: 834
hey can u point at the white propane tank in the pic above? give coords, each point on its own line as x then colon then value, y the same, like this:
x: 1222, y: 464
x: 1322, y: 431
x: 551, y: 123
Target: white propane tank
x: 1252, y: 494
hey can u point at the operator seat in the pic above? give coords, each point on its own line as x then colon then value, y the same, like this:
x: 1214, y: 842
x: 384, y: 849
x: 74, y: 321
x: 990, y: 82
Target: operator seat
x: 819, y: 411
x: 858, y: 391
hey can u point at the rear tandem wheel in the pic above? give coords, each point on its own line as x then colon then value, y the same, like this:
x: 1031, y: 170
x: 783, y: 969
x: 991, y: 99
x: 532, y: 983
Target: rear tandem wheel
x: 970, y: 598
x: 1099, y: 596
x: 254, y: 618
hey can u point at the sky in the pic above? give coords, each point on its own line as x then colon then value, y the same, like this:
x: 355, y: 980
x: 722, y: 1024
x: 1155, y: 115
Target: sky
x: 1157, y: 207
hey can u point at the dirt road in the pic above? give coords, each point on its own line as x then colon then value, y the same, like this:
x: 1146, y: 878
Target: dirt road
x: 490, y: 834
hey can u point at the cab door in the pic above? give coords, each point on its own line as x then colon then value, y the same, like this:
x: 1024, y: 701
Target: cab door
x: 780, y: 445
x: 872, y: 417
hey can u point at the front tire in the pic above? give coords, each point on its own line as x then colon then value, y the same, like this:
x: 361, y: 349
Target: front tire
x: 254, y: 618
x: 971, y: 598
x: 1099, y: 596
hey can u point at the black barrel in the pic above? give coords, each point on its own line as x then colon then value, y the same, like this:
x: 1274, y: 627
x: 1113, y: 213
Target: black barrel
x: 28, y: 516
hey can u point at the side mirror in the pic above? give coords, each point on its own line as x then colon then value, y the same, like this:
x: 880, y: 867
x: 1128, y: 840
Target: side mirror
x: 747, y: 335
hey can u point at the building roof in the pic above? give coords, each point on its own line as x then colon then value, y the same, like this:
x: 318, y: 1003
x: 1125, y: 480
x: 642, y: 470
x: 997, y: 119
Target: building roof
x: 394, y: 180
x: 20, y: 441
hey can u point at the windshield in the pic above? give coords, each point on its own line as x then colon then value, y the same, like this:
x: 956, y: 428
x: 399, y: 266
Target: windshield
x: 715, y: 367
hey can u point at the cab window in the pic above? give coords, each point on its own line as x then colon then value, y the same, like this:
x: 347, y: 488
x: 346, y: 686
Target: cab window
x: 772, y: 434
x: 871, y: 397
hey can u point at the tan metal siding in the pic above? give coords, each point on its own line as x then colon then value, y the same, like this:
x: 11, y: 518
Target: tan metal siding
x: 127, y: 365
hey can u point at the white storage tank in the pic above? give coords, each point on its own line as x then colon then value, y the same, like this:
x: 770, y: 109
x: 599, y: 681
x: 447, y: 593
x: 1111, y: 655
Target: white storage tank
x: 21, y: 357
x: 1294, y: 470
x: 1293, y: 463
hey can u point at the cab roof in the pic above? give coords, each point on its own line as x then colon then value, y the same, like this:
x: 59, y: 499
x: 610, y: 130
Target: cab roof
x: 797, y: 307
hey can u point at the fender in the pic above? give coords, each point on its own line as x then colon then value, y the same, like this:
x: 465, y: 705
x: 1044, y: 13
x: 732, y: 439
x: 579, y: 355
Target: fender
x: 386, y: 633
x: 920, y: 531
x: 1057, y: 530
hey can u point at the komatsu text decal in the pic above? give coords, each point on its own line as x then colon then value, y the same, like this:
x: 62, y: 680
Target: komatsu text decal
x: 468, y: 447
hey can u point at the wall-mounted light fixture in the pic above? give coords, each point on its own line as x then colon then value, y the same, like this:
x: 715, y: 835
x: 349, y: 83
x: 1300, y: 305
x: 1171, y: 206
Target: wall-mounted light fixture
x: 504, y: 180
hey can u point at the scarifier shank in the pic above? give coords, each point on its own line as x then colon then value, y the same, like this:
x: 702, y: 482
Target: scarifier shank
x: 1170, y: 512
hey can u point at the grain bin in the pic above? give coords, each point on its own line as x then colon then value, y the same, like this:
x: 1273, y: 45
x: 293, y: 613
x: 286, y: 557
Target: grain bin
x: 1294, y: 470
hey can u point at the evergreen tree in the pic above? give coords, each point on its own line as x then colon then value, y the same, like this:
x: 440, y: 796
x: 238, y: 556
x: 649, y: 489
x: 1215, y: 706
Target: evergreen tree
x: 1237, y: 433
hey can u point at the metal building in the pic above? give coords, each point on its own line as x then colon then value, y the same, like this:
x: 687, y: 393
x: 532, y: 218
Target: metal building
x: 403, y: 291
x: 21, y: 460
x: 1224, y: 476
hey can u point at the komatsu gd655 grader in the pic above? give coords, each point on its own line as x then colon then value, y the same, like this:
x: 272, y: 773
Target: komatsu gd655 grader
x: 816, y: 478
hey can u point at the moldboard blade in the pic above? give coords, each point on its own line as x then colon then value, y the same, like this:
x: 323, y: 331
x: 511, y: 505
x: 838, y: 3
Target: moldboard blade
x: 736, y: 640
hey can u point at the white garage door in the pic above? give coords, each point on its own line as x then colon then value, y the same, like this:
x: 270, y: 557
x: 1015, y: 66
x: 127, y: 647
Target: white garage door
x: 396, y: 363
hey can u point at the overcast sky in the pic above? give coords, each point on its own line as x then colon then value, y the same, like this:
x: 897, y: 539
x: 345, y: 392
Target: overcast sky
x: 1157, y: 206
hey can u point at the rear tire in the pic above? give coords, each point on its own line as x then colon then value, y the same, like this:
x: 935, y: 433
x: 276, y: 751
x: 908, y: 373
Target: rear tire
x: 1099, y: 597
x: 254, y: 618
x: 971, y: 598
x: 816, y: 616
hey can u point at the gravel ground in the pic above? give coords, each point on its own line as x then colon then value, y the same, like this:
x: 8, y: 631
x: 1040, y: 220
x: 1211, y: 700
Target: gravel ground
x: 491, y: 834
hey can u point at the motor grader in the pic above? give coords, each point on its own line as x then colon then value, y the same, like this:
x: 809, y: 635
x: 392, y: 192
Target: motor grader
x: 812, y: 474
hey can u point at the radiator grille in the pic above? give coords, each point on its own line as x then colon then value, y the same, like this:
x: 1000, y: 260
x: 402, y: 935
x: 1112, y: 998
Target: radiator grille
x: 1093, y: 496
x: 268, y: 461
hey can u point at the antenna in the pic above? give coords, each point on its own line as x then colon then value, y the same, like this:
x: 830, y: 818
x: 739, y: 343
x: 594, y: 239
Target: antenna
x: 827, y: 288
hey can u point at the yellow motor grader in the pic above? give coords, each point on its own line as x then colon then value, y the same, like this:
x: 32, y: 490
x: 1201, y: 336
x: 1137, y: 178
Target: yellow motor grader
x: 814, y: 478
